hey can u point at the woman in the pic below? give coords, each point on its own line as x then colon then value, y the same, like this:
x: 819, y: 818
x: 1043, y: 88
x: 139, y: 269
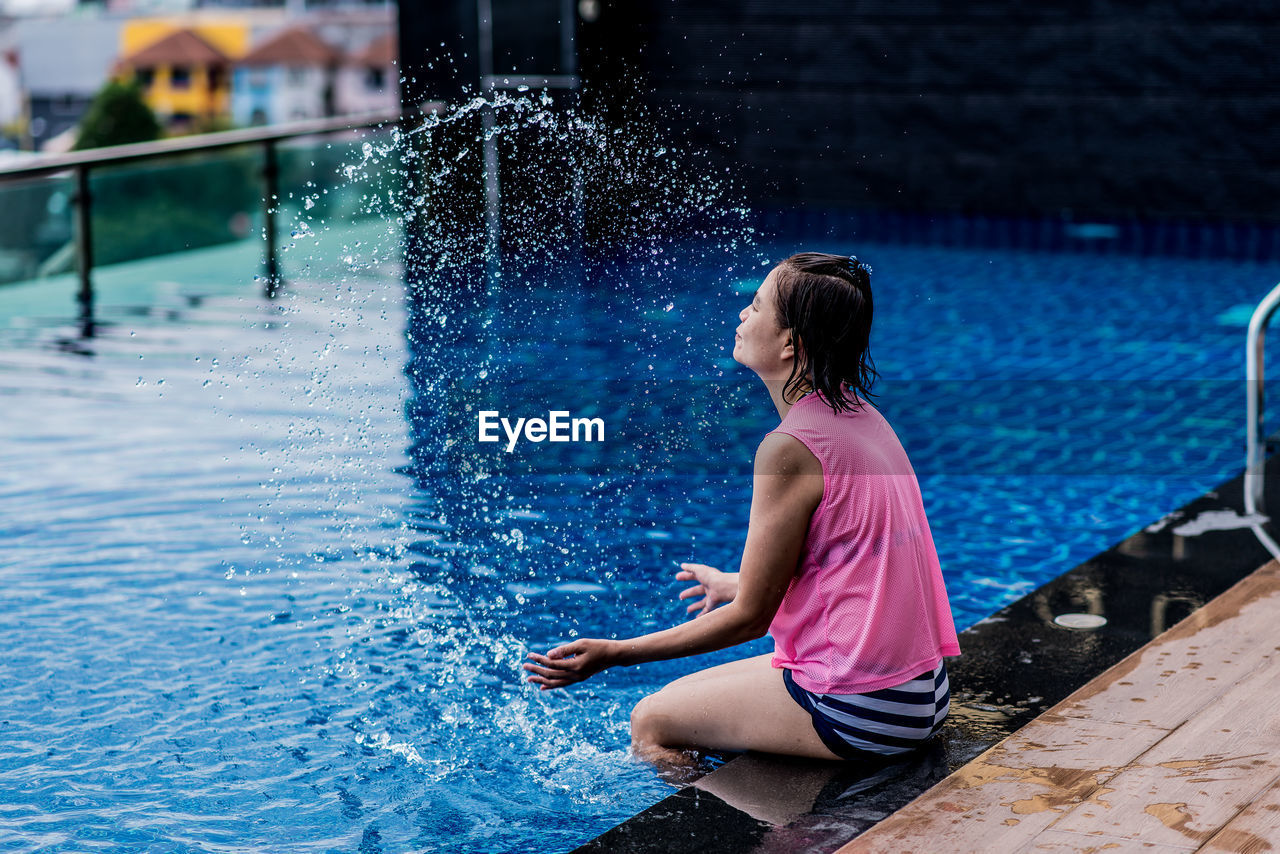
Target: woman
x: 839, y: 565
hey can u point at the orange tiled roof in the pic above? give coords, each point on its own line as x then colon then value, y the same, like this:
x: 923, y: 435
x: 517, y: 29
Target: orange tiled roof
x: 382, y: 51
x: 295, y: 46
x: 181, y: 47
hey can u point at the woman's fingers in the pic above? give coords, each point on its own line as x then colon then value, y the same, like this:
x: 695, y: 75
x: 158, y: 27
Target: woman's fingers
x: 566, y: 651
x: 549, y: 675
x: 695, y: 568
x: 696, y: 590
x: 557, y: 664
x: 546, y: 682
x: 547, y: 672
x: 558, y: 667
x: 569, y: 663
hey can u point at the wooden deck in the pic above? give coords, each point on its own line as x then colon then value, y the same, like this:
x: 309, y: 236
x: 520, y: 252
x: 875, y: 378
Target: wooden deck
x: 1176, y: 748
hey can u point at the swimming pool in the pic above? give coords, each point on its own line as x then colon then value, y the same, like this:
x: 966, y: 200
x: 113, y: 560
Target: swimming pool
x: 254, y: 598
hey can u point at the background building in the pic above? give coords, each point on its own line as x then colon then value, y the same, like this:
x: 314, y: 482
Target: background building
x: 288, y: 76
x: 62, y: 63
x: 54, y: 58
x: 36, y: 7
x: 12, y: 101
x: 369, y: 79
x: 184, y: 72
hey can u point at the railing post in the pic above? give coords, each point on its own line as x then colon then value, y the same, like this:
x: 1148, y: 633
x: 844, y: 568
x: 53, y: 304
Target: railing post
x: 492, y: 190
x: 569, y: 68
x: 84, y: 245
x: 271, y: 180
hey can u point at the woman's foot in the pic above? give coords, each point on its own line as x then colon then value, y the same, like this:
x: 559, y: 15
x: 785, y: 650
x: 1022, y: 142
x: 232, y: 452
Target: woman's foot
x: 677, y: 767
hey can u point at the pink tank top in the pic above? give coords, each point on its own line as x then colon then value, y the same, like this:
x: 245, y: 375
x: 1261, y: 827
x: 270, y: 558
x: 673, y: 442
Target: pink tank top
x: 867, y: 608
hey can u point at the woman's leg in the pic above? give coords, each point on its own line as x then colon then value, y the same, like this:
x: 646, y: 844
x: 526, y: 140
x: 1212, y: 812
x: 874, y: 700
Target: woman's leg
x: 742, y: 705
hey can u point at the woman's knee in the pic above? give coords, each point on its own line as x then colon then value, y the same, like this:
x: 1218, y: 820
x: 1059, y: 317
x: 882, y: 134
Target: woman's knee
x: 642, y: 721
x: 648, y: 722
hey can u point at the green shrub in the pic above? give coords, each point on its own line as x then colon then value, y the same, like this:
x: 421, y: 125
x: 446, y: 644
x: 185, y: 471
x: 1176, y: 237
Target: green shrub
x: 117, y: 116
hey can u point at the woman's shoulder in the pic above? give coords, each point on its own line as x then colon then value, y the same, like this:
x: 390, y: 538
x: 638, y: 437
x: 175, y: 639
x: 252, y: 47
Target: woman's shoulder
x: 782, y: 453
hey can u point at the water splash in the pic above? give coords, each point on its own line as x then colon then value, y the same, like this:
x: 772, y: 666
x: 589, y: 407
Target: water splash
x: 450, y: 583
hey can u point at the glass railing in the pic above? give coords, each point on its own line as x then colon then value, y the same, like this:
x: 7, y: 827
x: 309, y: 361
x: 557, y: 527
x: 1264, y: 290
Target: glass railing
x: 180, y: 195
x: 37, y: 229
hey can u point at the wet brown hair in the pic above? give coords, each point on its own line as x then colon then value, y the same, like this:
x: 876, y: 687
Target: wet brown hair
x: 825, y: 300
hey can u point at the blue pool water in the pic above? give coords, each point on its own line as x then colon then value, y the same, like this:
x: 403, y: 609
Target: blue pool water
x: 262, y: 589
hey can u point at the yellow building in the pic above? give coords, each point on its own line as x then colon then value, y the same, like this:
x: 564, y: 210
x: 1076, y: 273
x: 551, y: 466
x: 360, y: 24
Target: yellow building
x: 184, y: 70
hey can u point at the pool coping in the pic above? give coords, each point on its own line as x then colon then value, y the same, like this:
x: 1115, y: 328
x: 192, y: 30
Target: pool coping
x: 1016, y: 664
x: 1173, y: 749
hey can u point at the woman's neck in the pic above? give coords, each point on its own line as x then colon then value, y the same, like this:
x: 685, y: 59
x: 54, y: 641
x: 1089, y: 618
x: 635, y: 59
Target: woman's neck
x: 780, y: 398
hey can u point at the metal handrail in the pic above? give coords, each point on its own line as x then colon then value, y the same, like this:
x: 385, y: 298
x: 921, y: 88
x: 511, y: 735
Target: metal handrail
x: 1255, y: 436
x: 82, y: 162
x: 45, y: 164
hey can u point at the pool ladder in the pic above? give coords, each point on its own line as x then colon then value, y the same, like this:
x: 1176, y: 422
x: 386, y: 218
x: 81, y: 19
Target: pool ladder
x: 1256, y: 439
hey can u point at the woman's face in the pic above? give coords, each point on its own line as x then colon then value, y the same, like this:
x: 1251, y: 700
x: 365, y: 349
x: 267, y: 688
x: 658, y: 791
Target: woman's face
x: 760, y: 343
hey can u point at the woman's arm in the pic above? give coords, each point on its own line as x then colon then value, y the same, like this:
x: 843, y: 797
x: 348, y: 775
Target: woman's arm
x: 786, y: 488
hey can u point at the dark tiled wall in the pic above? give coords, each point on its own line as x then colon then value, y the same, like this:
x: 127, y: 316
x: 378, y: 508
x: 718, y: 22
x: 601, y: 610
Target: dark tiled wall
x: 1104, y: 109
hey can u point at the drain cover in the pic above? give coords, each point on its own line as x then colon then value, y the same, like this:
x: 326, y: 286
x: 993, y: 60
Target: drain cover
x: 1080, y: 621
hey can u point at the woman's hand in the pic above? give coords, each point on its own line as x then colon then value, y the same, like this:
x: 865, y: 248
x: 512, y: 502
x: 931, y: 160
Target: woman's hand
x: 714, y: 586
x: 572, y: 662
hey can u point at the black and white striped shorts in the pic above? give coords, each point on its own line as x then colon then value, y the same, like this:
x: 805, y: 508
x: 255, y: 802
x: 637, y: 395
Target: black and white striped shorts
x: 887, y: 722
